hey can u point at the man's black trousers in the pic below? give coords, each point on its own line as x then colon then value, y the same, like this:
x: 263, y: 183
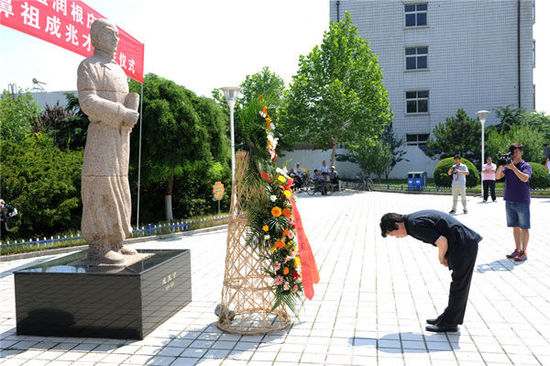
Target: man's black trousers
x: 462, y: 263
x: 489, y: 184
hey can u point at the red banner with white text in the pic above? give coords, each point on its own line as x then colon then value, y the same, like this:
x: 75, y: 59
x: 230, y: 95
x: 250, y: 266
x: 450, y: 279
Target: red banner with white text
x: 66, y: 23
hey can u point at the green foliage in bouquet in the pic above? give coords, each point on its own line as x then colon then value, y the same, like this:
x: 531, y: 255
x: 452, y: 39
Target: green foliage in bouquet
x: 271, y: 222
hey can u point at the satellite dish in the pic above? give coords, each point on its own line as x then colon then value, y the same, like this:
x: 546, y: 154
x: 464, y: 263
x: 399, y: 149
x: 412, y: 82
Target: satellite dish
x: 34, y: 81
x: 37, y: 84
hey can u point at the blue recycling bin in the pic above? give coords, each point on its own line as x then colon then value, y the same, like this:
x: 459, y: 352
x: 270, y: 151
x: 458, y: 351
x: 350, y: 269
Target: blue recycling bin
x: 410, y: 181
x: 417, y: 180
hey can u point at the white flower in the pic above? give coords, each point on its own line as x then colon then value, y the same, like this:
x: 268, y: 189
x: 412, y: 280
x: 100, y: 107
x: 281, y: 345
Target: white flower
x: 263, y: 114
x: 267, y: 237
x: 273, y: 198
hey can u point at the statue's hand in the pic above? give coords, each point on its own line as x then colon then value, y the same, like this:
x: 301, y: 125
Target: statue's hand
x: 130, y: 118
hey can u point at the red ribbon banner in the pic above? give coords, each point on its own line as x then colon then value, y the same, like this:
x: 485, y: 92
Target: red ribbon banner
x: 66, y: 23
x: 310, y: 274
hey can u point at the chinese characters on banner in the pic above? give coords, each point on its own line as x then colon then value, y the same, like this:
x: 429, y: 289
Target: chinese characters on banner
x: 67, y: 23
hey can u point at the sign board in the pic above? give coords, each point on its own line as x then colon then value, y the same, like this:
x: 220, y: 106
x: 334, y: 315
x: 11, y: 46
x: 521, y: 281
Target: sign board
x: 218, y: 191
x: 66, y: 23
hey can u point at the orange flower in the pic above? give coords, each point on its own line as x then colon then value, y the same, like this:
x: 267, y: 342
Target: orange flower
x: 264, y: 110
x: 285, y: 232
x: 286, y: 213
x: 280, y: 244
x: 285, y: 271
x: 276, y: 211
x: 268, y: 123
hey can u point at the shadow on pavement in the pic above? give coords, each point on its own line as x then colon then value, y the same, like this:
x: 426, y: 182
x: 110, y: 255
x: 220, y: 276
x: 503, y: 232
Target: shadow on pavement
x: 408, y: 342
x: 499, y: 265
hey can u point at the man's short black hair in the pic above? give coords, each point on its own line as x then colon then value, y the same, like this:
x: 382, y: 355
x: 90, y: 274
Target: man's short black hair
x: 516, y: 145
x: 389, y: 221
x: 457, y: 156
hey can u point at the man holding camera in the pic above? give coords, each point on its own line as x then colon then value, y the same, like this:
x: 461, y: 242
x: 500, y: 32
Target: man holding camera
x: 517, y: 195
x: 459, y: 172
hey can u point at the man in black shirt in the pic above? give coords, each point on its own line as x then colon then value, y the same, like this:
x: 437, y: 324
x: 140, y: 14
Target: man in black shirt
x: 457, y: 246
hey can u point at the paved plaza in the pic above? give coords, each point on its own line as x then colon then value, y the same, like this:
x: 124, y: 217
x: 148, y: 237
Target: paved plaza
x: 369, y: 308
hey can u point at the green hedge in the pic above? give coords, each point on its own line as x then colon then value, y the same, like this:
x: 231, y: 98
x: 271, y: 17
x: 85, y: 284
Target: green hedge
x: 442, y: 179
x: 43, y: 183
x: 539, y: 176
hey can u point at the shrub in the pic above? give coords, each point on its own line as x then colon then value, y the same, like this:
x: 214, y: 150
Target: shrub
x: 539, y: 176
x: 442, y: 179
x: 43, y: 183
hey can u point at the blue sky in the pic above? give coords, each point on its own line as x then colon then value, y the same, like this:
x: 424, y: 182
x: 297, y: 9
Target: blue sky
x: 207, y: 44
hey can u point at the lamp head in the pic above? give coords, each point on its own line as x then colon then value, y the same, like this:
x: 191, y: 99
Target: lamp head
x: 230, y: 92
x: 482, y: 115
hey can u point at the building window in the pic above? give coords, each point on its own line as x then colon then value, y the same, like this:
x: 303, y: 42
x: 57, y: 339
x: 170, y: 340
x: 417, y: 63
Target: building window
x: 417, y: 101
x: 419, y: 139
x: 416, y: 15
x: 416, y: 58
x: 534, y: 53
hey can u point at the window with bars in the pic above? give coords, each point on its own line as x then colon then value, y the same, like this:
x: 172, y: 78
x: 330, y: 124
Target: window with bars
x: 418, y: 139
x: 416, y: 15
x: 417, y: 101
x: 416, y: 58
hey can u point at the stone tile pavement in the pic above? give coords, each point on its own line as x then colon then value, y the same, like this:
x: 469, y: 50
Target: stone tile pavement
x: 369, y: 309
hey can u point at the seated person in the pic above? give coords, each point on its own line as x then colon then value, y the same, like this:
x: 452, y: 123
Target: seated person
x: 333, y: 174
x: 319, y: 181
x: 296, y: 178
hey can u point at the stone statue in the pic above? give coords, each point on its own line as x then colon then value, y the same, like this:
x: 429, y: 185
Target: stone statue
x: 112, y: 110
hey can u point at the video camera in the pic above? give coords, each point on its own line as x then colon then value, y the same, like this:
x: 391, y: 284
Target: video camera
x: 8, y: 212
x: 505, y: 158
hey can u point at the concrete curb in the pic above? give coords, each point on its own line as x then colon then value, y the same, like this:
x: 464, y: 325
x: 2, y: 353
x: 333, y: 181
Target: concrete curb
x: 40, y: 253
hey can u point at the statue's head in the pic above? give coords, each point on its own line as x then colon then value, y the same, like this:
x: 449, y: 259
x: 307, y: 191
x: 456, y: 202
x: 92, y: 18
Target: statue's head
x: 104, y: 35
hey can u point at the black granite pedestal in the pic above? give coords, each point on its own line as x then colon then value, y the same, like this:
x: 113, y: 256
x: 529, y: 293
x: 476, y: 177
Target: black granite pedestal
x: 58, y: 299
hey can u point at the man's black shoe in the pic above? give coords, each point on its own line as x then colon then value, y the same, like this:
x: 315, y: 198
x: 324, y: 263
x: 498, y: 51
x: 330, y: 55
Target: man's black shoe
x: 432, y: 321
x: 442, y: 328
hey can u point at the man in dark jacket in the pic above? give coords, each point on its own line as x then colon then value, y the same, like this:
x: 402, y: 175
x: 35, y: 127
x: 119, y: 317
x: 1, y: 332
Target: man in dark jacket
x: 457, y: 246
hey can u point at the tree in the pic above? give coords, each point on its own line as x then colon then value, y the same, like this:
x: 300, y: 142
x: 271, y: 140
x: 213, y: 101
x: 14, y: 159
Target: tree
x: 373, y: 157
x: 266, y: 84
x: 337, y: 95
x: 68, y: 127
x: 180, y: 132
x: 532, y: 140
x: 18, y: 113
x: 394, y: 144
x: 459, y: 134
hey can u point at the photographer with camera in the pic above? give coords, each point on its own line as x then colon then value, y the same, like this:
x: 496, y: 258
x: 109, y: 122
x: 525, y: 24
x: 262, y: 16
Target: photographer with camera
x: 517, y: 195
x: 459, y: 172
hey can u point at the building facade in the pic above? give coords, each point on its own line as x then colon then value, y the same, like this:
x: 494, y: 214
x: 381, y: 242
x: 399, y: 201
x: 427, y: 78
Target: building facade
x: 441, y: 55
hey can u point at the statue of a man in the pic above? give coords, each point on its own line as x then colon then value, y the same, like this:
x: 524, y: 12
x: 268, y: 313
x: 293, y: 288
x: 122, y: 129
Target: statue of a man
x: 112, y: 110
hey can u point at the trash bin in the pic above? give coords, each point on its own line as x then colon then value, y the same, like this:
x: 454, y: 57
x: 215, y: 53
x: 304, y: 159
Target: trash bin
x: 410, y: 181
x: 417, y: 180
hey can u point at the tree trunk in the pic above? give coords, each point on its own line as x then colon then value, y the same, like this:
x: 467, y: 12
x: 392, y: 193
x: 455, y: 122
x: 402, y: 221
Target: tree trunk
x: 333, y: 155
x: 168, y: 197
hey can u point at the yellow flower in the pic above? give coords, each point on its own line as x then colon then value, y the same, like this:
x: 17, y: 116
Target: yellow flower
x: 297, y: 261
x: 287, y: 193
x: 265, y: 228
x: 281, y: 179
x: 272, y: 249
x: 276, y: 211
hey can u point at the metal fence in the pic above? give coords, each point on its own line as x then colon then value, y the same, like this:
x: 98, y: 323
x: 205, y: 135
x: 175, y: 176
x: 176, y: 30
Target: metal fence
x: 146, y: 230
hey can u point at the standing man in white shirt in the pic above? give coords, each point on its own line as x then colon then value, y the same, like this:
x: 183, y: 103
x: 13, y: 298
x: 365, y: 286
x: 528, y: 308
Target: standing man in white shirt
x: 488, y: 177
x: 459, y: 172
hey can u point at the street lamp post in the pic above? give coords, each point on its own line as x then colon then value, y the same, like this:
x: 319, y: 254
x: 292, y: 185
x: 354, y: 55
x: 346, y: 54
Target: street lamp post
x: 230, y: 93
x: 482, y: 115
